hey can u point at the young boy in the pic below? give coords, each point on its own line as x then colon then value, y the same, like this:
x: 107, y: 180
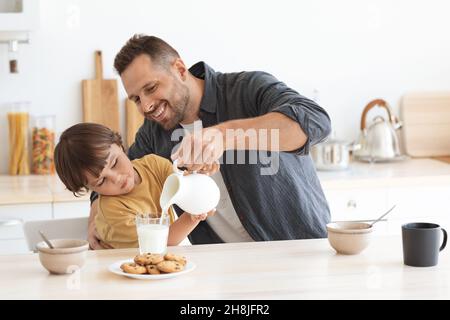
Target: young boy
x: 90, y: 156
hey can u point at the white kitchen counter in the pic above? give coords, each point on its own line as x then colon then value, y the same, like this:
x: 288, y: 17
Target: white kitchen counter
x: 31, y: 198
x: 404, y: 173
x: 34, y: 189
x: 39, y: 189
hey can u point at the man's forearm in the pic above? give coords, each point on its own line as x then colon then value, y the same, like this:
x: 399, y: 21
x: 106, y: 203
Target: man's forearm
x: 273, y: 131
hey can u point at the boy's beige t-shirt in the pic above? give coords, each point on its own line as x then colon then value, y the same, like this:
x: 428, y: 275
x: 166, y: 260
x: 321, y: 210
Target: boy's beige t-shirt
x: 115, y: 220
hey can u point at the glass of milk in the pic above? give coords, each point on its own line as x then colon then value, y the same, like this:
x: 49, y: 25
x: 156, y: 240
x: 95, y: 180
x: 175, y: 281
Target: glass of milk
x: 152, y: 233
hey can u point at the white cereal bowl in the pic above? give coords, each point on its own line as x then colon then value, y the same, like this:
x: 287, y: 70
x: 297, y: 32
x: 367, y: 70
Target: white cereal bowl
x: 67, y: 256
x: 349, y: 237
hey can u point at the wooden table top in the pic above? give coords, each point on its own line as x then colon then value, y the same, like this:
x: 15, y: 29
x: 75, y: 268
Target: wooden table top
x: 297, y: 269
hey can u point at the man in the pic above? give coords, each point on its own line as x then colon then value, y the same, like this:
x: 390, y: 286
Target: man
x: 224, y: 109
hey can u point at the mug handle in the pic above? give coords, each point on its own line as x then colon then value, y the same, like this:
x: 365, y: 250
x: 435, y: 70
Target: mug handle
x: 444, y: 242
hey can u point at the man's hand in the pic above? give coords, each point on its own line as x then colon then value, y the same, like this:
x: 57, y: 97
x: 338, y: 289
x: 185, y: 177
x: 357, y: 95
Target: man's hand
x: 201, y: 151
x: 206, y: 169
x: 93, y: 237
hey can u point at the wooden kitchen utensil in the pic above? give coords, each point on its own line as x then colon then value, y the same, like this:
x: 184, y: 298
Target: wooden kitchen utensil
x: 426, y: 123
x: 134, y: 120
x: 100, y: 98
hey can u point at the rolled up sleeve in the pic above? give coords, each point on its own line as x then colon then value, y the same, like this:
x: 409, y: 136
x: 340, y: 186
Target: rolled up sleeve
x: 272, y: 95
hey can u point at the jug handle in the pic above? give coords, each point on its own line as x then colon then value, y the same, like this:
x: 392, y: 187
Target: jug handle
x: 178, y: 171
x: 370, y: 105
x: 175, y: 167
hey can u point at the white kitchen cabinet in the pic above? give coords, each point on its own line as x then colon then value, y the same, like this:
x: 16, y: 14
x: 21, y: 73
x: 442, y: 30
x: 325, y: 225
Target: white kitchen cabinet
x: 427, y: 203
x: 72, y: 209
x: 420, y: 201
x: 13, y: 246
x: 12, y: 217
x: 415, y: 203
x: 358, y: 204
x: 12, y: 238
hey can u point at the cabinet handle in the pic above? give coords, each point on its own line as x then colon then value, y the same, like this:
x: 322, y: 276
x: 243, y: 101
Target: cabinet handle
x: 9, y: 223
x: 351, y: 204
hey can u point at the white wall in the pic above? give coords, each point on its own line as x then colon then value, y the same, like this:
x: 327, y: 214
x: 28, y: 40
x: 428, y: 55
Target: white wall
x: 351, y: 51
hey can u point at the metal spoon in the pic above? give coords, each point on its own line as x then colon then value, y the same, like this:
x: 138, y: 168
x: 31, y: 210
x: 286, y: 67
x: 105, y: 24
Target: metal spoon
x: 46, y: 240
x: 383, y: 215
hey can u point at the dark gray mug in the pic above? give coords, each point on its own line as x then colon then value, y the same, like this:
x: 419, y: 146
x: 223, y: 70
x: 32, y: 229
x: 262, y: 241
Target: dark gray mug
x: 421, y: 243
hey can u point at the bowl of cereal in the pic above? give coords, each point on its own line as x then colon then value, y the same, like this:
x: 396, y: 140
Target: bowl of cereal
x: 349, y: 237
x: 67, y: 256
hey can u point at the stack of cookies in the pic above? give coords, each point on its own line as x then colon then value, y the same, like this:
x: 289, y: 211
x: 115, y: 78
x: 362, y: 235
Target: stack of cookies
x: 150, y: 263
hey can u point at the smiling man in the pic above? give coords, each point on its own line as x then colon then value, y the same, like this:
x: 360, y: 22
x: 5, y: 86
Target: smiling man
x: 224, y: 117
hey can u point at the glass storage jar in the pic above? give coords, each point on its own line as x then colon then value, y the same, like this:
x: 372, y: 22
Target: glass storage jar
x: 43, y: 136
x: 18, y: 122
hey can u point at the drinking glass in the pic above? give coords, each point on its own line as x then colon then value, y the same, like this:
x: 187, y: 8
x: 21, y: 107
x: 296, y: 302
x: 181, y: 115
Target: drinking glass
x: 153, y: 233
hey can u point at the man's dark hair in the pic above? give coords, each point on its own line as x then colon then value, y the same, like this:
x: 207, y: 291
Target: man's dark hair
x: 83, y: 148
x: 159, y: 51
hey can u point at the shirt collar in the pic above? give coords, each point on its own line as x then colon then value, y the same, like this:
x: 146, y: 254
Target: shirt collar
x: 203, y: 71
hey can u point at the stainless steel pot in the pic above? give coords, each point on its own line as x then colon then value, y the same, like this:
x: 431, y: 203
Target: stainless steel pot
x: 332, y: 155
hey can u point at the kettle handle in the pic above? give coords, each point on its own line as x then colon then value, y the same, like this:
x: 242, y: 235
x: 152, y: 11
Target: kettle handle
x: 370, y: 105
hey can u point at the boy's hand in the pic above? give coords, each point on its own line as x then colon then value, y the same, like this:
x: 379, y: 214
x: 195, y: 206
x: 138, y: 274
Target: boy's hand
x: 203, y: 216
x: 94, y: 239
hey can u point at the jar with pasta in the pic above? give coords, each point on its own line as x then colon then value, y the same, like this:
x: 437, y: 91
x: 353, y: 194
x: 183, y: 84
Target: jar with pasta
x: 18, y: 124
x: 43, y: 137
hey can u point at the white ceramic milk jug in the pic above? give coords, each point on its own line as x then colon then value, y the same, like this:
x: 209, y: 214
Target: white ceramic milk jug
x: 195, y: 193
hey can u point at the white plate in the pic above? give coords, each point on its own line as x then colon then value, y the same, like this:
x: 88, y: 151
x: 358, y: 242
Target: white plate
x: 115, y: 268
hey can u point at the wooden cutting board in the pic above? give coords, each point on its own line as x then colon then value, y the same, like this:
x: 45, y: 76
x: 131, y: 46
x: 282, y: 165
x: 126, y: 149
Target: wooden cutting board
x: 134, y: 120
x: 100, y: 98
x: 426, y: 123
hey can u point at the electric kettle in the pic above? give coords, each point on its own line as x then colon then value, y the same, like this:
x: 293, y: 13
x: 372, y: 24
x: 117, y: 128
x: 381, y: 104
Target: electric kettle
x: 379, y: 140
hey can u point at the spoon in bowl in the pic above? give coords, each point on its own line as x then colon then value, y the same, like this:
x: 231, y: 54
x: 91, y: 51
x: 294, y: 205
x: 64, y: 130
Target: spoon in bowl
x: 46, y: 240
x: 383, y: 215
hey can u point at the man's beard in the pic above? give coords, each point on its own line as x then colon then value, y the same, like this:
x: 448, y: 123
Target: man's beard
x: 178, y: 108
